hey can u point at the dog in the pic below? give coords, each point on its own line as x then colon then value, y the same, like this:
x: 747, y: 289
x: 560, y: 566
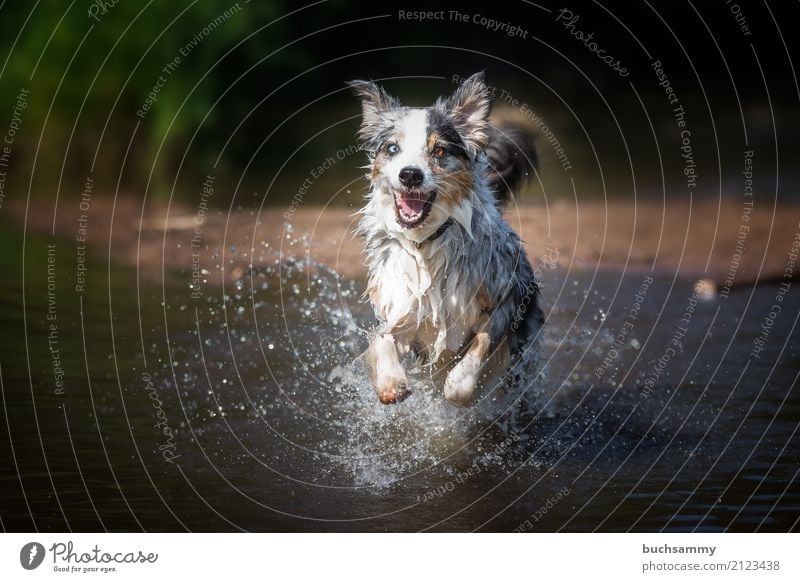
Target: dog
x: 448, y: 278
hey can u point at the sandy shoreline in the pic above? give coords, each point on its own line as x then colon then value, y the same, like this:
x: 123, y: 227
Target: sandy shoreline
x: 707, y: 239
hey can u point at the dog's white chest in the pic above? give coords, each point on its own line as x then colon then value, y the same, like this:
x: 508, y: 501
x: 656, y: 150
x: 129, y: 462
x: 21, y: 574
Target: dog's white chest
x: 414, y: 293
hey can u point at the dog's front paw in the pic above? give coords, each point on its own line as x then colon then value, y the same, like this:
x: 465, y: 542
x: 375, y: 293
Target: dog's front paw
x: 393, y: 391
x: 461, y: 381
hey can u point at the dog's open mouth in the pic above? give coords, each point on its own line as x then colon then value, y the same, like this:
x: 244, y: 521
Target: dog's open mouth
x: 411, y: 207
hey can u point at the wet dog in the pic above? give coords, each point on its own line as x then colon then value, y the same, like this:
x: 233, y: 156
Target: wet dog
x: 448, y: 277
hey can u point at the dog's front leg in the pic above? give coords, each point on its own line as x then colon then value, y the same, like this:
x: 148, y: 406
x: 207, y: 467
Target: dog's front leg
x: 387, y: 375
x: 463, y: 378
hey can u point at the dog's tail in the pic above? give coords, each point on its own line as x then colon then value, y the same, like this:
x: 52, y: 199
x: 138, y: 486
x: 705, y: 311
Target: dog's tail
x: 512, y: 158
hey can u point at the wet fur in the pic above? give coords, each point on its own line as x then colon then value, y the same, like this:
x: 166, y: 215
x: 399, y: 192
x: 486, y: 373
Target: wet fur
x: 455, y: 290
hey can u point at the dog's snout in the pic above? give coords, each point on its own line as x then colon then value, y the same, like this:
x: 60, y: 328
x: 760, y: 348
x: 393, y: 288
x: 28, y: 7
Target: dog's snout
x: 411, y: 176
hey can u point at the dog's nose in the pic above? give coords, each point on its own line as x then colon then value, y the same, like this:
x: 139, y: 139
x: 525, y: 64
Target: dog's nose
x: 411, y: 176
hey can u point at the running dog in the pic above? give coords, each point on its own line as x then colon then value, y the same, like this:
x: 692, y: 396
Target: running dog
x: 447, y: 276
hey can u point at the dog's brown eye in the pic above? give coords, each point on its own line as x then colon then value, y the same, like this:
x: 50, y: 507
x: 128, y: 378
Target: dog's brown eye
x: 439, y: 151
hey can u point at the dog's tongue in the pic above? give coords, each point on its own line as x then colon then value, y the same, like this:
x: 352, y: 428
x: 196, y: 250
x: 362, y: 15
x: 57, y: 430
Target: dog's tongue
x: 411, y: 203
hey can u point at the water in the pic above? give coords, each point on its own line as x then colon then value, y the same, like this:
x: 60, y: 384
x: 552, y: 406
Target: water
x: 244, y: 410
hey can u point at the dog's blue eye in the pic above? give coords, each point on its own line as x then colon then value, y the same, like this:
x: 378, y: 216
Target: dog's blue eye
x: 392, y: 148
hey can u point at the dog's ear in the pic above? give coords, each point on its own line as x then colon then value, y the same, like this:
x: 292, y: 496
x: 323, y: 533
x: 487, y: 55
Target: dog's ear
x: 375, y: 103
x: 469, y: 108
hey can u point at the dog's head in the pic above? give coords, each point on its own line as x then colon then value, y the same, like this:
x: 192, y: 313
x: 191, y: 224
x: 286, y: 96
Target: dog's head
x: 423, y: 159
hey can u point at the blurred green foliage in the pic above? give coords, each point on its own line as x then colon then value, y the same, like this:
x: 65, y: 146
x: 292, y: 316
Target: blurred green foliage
x: 91, y: 67
x: 259, y: 96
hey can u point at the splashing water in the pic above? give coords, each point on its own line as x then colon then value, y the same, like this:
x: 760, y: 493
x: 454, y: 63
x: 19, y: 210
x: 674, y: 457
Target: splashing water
x: 296, y: 329
x: 290, y: 412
